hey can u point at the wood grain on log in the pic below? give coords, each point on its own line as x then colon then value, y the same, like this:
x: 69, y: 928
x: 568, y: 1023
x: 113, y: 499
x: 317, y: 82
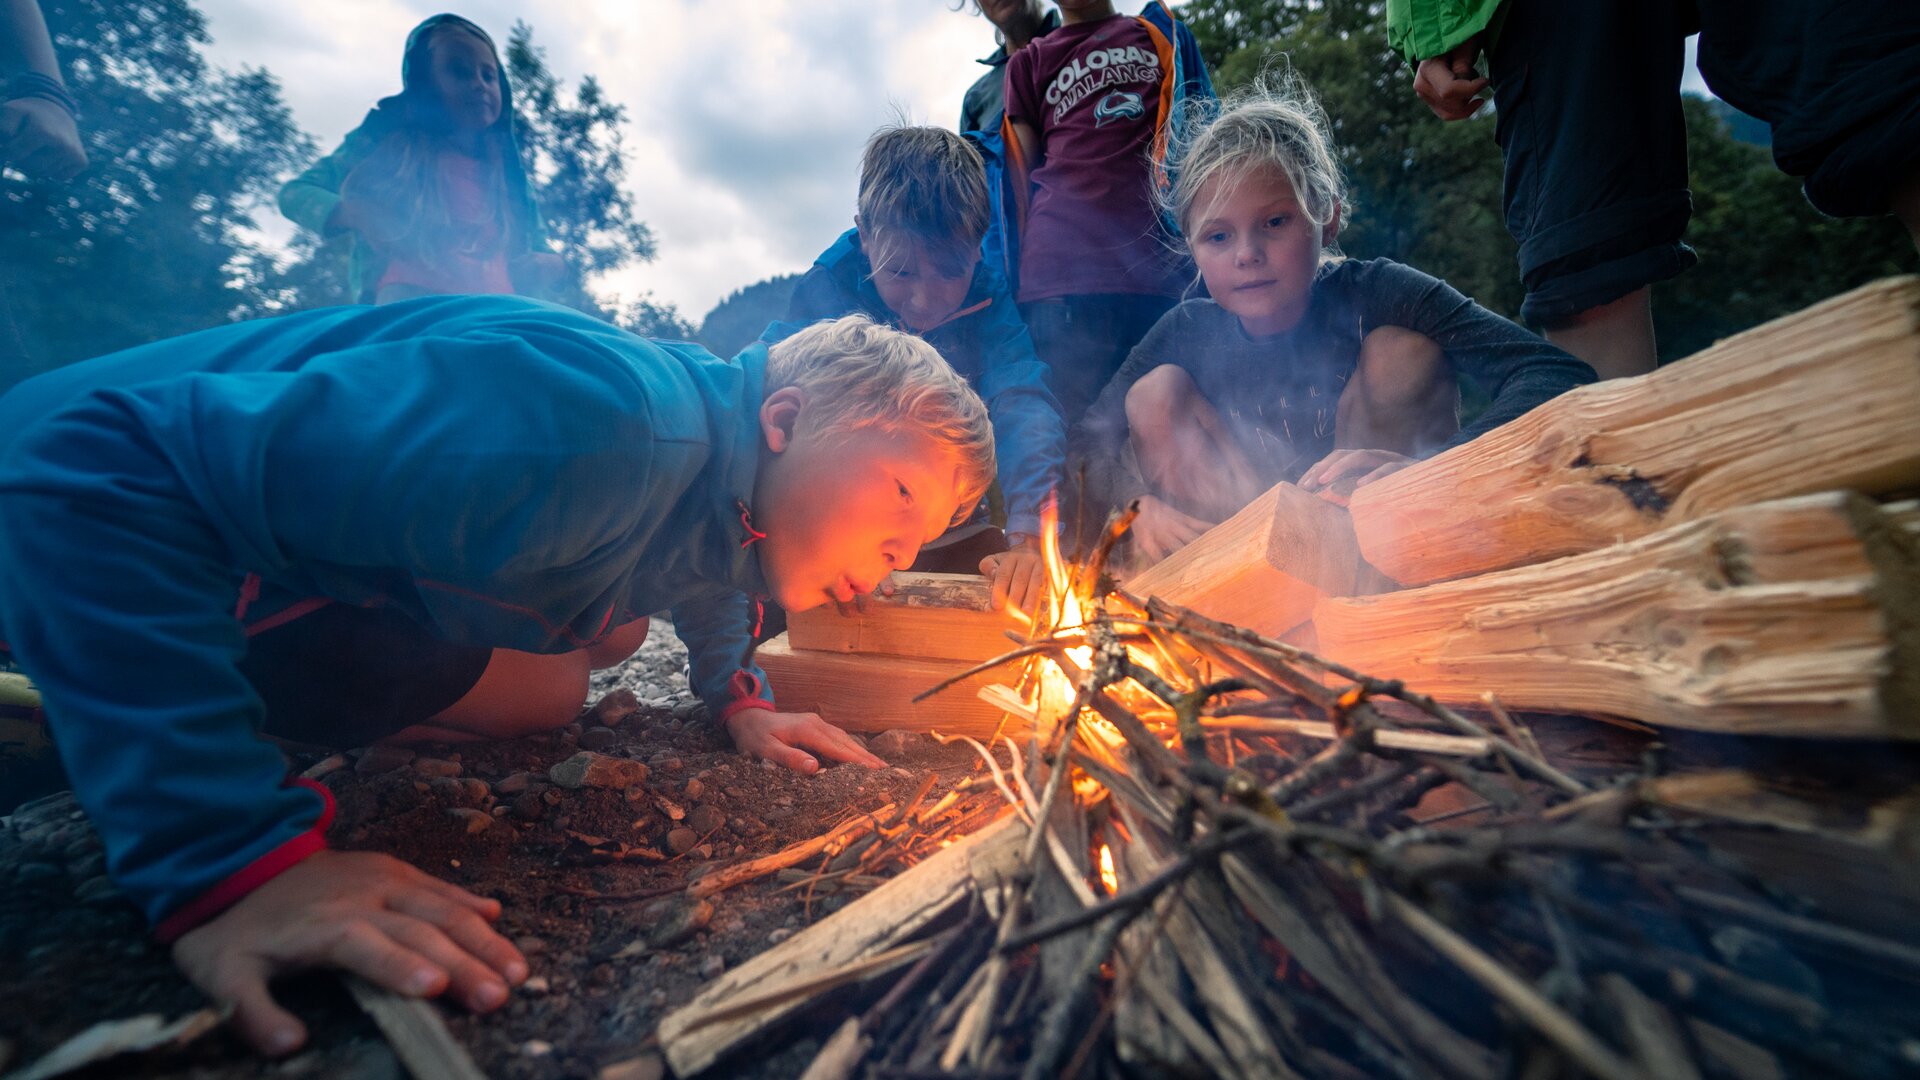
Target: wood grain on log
x: 1819, y: 400
x: 1785, y: 618
x: 1264, y: 567
x: 875, y: 693
x: 944, y: 616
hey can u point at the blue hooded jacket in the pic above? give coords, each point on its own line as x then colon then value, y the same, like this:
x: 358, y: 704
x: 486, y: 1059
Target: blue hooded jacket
x: 506, y: 472
x: 986, y: 343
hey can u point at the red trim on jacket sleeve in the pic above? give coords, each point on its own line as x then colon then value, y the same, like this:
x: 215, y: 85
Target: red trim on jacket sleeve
x: 253, y: 875
x: 747, y: 694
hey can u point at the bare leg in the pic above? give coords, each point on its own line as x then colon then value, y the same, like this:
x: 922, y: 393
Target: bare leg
x: 1185, y: 452
x: 1616, y: 338
x: 1905, y: 204
x: 1402, y: 396
x: 524, y: 693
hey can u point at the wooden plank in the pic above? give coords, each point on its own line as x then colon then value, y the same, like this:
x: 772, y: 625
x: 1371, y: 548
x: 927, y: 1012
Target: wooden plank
x: 1787, y: 618
x: 943, y: 616
x: 875, y: 693
x: 1820, y: 400
x: 694, y: 1037
x: 1264, y: 567
x: 413, y: 1027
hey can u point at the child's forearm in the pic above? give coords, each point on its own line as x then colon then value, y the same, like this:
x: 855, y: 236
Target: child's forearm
x: 25, y: 45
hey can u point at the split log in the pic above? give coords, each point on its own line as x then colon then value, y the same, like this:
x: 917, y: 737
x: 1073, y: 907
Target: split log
x: 413, y: 1027
x: 1264, y: 567
x: 1820, y: 400
x: 943, y: 616
x: 698, y: 1034
x: 1786, y: 618
x: 875, y: 693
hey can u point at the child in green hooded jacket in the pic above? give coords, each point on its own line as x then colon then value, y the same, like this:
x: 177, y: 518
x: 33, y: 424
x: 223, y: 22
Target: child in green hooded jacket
x: 431, y: 183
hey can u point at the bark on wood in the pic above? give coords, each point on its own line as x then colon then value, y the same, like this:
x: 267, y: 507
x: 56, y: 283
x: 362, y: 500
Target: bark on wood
x: 1820, y: 400
x: 1789, y: 617
x: 1264, y: 567
x: 413, y: 1027
x: 875, y: 693
x: 885, y: 917
x: 943, y: 616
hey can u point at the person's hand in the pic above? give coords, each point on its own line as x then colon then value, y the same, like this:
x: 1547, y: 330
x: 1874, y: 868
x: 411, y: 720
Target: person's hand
x: 1160, y: 530
x: 1019, y: 576
x: 784, y: 739
x: 1448, y: 83
x: 39, y: 138
x: 370, y: 914
x: 1336, y: 476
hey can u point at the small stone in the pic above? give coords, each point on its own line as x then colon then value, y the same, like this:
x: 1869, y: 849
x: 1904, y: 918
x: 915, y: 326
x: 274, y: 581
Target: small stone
x: 897, y: 743
x: 501, y: 811
x: 90, y: 865
x: 681, y: 840
x: 536, y: 1048
x: 673, y: 810
x: 598, y: 738
x: 476, y: 791
x: 703, y: 852
x: 514, y: 784
x: 29, y: 872
x: 383, y: 759
x: 779, y: 935
x: 665, y: 759
x: 535, y: 985
x: 644, y: 1067
x: 530, y: 945
x: 476, y: 821
x: 711, y: 965
x: 695, y: 789
x: 674, y: 920
x: 99, y: 892
x: 530, y: 807
x: 614, y: 708
x: 602, y: 976
x: 427, y: 766
x: 690, y: 710
x: 706, y: 819
x: 563, y: 822
x: 330, y: 763
x: 658, y: 998
x: 731, y: 925
x: 573, y: 730
x: 897, y: 771
x: 783, y: 800
x: 588, y: 769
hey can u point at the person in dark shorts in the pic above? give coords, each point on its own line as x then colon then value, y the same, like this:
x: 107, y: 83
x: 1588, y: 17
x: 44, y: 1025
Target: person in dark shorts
x: 1588, y: 118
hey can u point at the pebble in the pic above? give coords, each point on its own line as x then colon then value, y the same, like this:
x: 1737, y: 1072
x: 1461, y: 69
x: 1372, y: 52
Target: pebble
x: 711, y: 965
x: 427, y: 766
x: 644, y: 1067
x: 536, y: 1048
x: 598, y: 738
x: 530, y: 807
x: 530, y: 945
x: 535, y: 985
x: 695, y: 789
x: 98, y: 891
x: 514, y: 784
x: 675, y: 919
x: 614, y: 708
x: 673, y: 810
x: 703, y: 852
x: 91, y: 865
x: 588, y: 769
x: 732, y: 924
x: 690, y: 710
x: 706, y: 819
x: 329, y: 764
x: 28, y: 872
x: 665, y: 759
x: 897, y: 743
x: 476, y: 821
x: 681, y: 840
x: 383, y: 759
x: 779, y: 935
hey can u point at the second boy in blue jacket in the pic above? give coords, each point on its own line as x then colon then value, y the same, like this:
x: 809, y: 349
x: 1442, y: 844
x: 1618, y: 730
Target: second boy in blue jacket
x: 913, y: 261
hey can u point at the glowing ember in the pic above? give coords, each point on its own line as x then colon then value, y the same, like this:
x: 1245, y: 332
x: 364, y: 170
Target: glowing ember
x: 1107, y: 877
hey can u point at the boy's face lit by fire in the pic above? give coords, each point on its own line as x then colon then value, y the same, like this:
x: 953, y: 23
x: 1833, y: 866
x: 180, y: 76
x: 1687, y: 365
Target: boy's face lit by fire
x: 920, y: 288
x: 467, y: 78
x: 842, y: 510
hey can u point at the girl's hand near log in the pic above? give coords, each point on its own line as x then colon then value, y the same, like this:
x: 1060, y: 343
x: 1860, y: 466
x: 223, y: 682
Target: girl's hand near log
x: 1019, y: 576
x: 784, y: 739
x: 1338, y: 475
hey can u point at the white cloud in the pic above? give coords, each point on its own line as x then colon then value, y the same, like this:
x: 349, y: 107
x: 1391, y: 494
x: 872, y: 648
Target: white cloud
x: 745, y: 121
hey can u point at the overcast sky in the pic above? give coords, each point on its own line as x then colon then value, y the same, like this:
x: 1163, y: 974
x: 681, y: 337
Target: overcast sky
x: 745, y: 119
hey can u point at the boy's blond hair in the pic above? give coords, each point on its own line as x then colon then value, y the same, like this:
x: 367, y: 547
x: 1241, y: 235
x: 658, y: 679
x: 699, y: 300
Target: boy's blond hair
x: 858, y: 374
x: 922, y: 184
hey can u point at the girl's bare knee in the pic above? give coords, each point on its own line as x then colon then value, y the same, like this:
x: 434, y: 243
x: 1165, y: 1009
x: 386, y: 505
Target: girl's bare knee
x: 618, y: 645
x: 1158, y: 400
x: 520, y: 694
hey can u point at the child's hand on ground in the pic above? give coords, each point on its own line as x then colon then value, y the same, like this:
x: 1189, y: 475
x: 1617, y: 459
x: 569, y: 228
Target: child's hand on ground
x: 780, y: 736
x: 1448, y: 84
x: 1160, y: 530
x: 370, y: 914
x: 1019, y: 576
x: 39, y: 138
x: 1339, y: 474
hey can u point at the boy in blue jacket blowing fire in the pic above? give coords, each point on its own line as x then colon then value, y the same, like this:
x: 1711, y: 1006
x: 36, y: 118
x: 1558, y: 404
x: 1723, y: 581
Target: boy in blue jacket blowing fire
x: 424, y: 520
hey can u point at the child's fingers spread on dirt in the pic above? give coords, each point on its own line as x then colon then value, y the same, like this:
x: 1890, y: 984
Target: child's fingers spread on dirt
x: 240, y: 979
x: 484, y: 906
x: 472, y: 982
x: 362, y: 948
x: 466, y: 930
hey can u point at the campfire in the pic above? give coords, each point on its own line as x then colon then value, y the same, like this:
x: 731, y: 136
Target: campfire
x: 1216, y: 851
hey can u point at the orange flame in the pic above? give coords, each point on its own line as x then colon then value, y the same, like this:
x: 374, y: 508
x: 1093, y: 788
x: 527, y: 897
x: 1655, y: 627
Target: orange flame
x: 1107, y: 877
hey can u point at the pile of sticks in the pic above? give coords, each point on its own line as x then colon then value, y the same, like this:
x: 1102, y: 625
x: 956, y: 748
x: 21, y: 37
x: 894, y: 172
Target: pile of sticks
x: 1285, y: 903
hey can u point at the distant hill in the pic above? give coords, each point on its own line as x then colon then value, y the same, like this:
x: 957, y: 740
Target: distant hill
x: 1746, y: 129
x: 737, y: 321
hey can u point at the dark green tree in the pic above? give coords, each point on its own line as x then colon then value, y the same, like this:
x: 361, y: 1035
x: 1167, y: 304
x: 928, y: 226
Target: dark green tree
x: 738, y: 321
x: 152, y: 240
